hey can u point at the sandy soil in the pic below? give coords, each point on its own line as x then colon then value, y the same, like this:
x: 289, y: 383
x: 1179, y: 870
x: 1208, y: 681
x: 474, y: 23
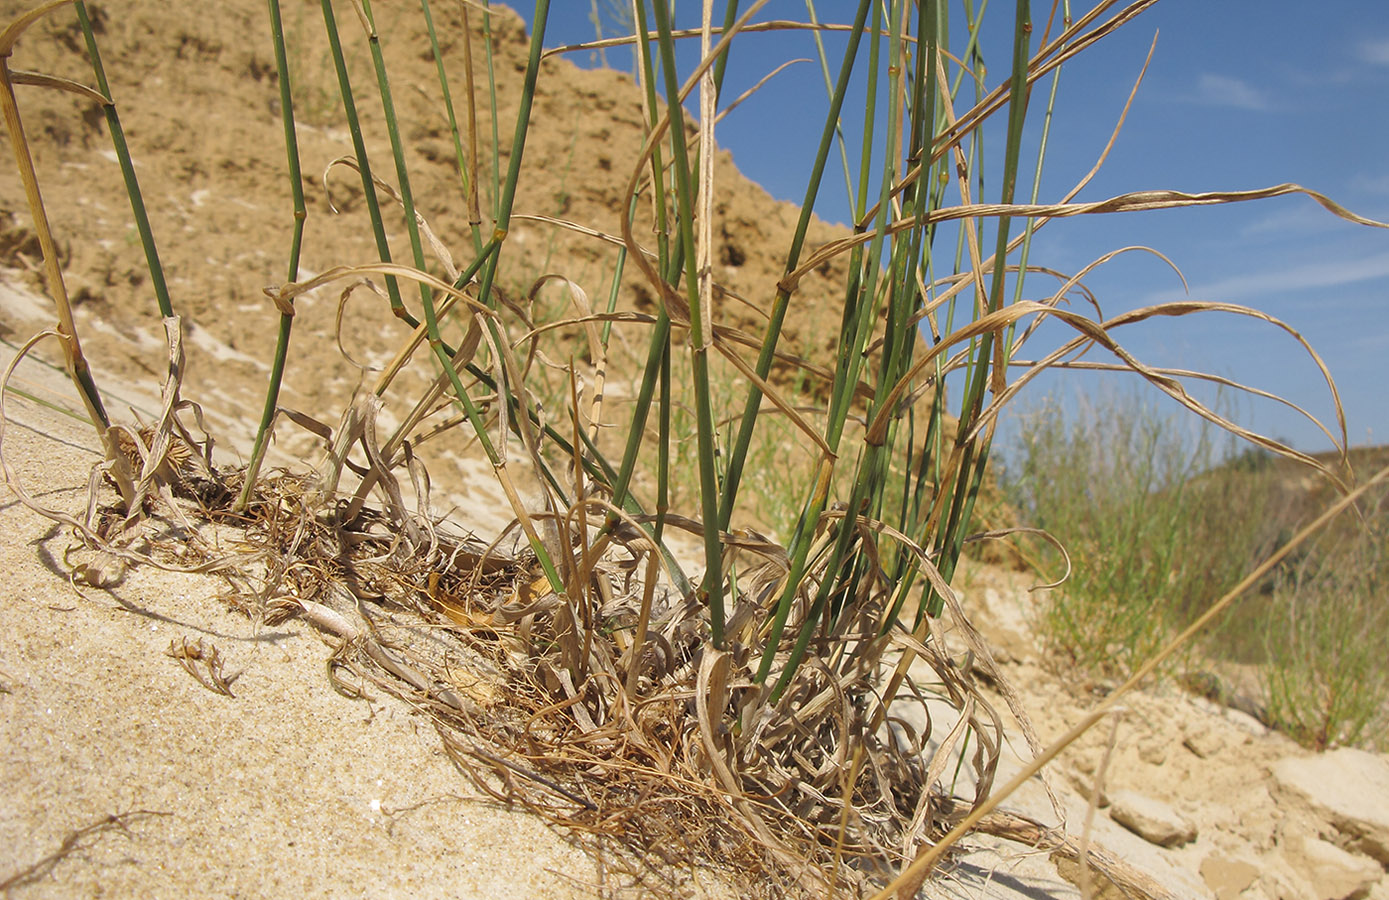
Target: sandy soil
x: 285, y: 789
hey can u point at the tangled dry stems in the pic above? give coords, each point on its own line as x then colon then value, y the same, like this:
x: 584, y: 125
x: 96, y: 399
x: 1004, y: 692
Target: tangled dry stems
x: 531, y: 693
x: 661, y: 758
x: 534, y: 696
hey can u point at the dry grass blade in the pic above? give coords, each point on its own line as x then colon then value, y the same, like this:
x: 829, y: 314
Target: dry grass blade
x: 711, y: 698
x: 704, y: 202
x: 11, y: 478
x: 1136, y: 201
x: 1130, y: 880
x: 1039, y: 532
x: 284, y: 295
x: 174, y: 463
x: 66, y: 332
x: 38, y: 79
x: 20, y: 24
x: 1098, y: 333
x: 440, y: 249
x: 204, y: 663
x: 1220, y: 380
x: 675, y: 305
x: 745, y: 95
x: 115, y: 821
x: 680, y: 33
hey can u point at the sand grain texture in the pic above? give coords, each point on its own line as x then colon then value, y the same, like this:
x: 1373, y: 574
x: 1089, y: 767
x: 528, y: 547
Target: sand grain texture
x: 287, y: 789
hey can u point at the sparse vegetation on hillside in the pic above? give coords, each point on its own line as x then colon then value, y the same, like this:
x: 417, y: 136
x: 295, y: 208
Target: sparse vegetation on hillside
x: 1160, y: 521
x: 1116, y: 484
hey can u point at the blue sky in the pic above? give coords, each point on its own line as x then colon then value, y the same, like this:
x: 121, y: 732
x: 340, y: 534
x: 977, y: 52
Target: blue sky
x: 1240, y: 95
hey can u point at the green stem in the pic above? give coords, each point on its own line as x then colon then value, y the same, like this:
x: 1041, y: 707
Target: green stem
x: 463, y: 172
x: 738, y: 455
x: 402, y: 171
x: 354, y: 127
x: 711, y: 588
x: 132, y: 184
x: 296, y: 181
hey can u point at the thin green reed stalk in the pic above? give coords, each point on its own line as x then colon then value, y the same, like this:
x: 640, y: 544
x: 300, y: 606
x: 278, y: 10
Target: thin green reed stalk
x: 507, y: 198
x: 488, y: 257
x: 463, y: 171
x: 296, y: 186
x: 354, y: 127
x: 804, y: 533
x: 929, y: 465
x: 924, y: 195
x: 488, y: 275
x: 620, y: 266
x: 494, y: 119
x: 830, y: 90
x: 1031, y: 226
x: 76, y: 362
x: 859, y: 302
x: 711, y: 588
x: 669, y: 262
x: 472, y: 165
x: 839, y: 574
x: 730, y: 16
x: 975, y: 456
x: 910, y: 251
x: 132, y: 184
x: 659, y: 345
x: 975, y: 66
x: 738, y: 454
x: 402, y: 171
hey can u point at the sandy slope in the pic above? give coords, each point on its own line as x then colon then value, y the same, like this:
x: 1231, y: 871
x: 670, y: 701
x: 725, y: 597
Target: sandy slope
x: 286, y: 789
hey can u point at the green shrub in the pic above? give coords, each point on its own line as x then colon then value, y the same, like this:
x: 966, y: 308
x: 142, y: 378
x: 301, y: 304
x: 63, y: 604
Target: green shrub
x: 1158, y: 527
x: 1326, y: 675
x: 1151, y: 543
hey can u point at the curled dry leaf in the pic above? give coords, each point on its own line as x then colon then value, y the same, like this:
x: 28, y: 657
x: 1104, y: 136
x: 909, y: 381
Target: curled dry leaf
x: 203, y: 662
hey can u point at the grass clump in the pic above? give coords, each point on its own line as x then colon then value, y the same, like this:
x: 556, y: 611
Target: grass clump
x: 1159, y: 520
x: 1150, y: 544
x: 1325, y: 676
x: 752, y: 694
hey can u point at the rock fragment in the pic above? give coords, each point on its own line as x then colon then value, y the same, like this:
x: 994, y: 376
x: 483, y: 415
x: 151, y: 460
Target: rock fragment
x: 1226, y: 877
x: 1347, y: 788
x: 1203, y: 740
x: 1333, y: 873
x: 1150, y: 819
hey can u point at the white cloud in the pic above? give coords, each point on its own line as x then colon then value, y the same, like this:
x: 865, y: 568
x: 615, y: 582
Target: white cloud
x: 1308, y: 277
x: 1222, y: 90
x: 1375, y: 184
x: 1321, y: 76
x: 1374, y: 52
x: 1294, y: 220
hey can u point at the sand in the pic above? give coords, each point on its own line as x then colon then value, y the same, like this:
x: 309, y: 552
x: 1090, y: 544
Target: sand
x: 286, y: 789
